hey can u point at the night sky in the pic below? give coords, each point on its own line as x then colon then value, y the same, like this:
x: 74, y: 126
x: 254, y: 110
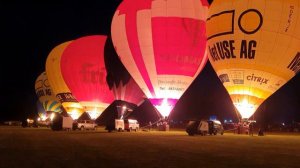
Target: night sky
x: 31, y: 29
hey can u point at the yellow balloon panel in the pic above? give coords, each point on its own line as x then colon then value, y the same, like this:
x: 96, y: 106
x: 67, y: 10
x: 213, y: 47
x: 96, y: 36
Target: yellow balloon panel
x: 94, y: 109
x: 57, y: 83
x: 54, y: 71
x: 43, y: 89
x: 254, y: 46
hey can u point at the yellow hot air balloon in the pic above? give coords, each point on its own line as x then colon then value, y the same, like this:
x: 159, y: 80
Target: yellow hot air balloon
x: 254, y: 47
x: 46, y: 97
x: 57, y: 83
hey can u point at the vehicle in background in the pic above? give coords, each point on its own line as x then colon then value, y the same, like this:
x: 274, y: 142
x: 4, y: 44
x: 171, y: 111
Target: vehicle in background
x: 30, y: 123
x: 67, y: 123
x: 119, y: 125
x: 43, y: 123
x: 13, y: 123
x: 215, y: 127
x: 61, y: 122
x: 85, y: 125
x: 131, y: 124
x: 204, y: 127
x: 122, y: 125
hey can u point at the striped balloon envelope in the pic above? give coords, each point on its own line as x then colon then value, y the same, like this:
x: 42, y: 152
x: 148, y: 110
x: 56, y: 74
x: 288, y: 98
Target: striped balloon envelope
x: 53, y: 106
x: 162, y: 45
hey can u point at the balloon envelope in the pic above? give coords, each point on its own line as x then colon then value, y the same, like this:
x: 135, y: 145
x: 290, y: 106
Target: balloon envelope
x: 41, y: 111
x: 83, y: 70
x: 162, y: 44
x: 45, y: 94
x: 118, y: 79
x: 57, y: 83
x: 254, y: 47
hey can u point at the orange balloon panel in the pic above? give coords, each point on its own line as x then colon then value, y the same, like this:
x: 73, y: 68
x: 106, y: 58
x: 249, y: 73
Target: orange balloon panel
x: 254, y: 47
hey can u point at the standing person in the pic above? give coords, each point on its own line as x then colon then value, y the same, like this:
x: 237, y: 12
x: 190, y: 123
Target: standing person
x: 150, y: 125
x: 260, y: 132
x: 251, y: 129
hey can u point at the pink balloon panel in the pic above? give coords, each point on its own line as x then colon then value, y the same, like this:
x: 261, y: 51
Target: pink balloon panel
x: 162, y: 44
x: 129, y: 92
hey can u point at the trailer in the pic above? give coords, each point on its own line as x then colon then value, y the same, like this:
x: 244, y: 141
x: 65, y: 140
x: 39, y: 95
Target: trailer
x: 67, y: 123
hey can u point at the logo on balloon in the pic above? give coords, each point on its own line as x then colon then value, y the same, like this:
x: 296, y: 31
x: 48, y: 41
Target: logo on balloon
x: 258, y: 79
x: 91, y: 74
x: 224, y: 78
x: 295, y: 64
x: 66, y: 97
x: 225, y: 49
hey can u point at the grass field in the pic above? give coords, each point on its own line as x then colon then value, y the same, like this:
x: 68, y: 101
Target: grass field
x: 36, y: 147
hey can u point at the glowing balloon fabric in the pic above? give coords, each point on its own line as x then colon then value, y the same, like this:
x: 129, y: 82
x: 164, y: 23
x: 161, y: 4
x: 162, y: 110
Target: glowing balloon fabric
x: 57, y: 83
x: 83, y: 70
x: 40, y: 109
x: 162, y: 44
x: 129, y: 92
x: 118, y: 79
x: 254, y: 47
x: 45, y: 94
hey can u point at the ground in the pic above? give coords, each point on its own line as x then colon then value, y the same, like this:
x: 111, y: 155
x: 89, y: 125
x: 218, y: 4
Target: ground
x: 38, y: 147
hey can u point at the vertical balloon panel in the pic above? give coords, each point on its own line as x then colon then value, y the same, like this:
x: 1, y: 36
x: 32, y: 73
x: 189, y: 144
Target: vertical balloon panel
x: 83, y: 69
x: 129, y: 92
x: 254, y: 48
x: 162, y: 44
x: 57, y: 83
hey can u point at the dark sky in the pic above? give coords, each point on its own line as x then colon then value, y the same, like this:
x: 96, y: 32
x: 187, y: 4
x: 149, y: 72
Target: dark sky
x: 29, y: 30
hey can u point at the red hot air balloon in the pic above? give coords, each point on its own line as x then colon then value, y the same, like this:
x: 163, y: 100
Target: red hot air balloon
x: 83, y: 69
x: 162, y: 44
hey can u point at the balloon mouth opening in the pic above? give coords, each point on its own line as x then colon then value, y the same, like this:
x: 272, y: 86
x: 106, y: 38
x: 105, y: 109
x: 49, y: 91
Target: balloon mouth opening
x: 164, y: 105
x: 94, y: 114
x: 245, y: 108
x: 43, y: 117
x: 75, y: 114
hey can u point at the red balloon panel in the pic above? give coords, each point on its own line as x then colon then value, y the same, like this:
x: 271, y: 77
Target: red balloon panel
x: 129, y: 92
x: 178, y: 42
x: 83, y: 69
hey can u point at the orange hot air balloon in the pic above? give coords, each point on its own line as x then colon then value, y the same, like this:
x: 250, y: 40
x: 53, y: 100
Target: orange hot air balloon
x: 162, y: 45
x: 57, y: 83
x: 254, y: 47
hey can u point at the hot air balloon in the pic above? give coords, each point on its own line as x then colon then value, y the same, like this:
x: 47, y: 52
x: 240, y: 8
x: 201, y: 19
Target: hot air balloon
x: 41, y: 111
x: 254, y: 47
x: 57, y: 83
x: 127, y: 93
x: 83, y: 70
x: 162, y: 44
x: 46, y: 97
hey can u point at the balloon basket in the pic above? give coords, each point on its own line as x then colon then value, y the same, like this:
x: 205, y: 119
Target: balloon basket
x: 164, y: 127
